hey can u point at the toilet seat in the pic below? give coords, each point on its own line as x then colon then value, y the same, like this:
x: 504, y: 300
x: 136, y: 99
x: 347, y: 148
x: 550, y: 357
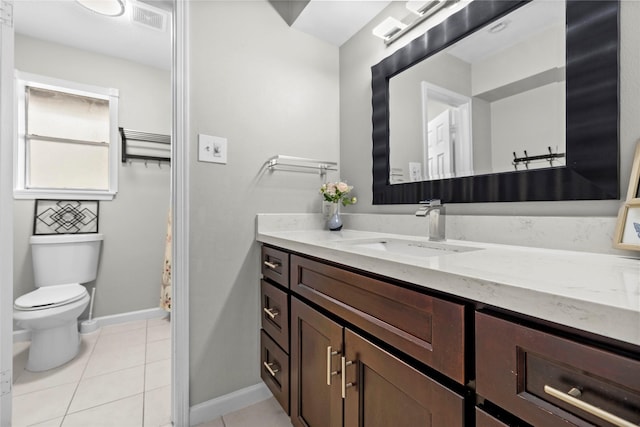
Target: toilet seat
x: 50, y: 296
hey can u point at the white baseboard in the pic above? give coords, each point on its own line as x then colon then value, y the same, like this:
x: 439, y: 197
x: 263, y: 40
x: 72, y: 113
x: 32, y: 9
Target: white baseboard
x: 215, y: 408
x: 150, y: 313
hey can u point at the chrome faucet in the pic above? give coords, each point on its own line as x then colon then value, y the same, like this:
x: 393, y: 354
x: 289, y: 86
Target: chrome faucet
x: 435, y: 211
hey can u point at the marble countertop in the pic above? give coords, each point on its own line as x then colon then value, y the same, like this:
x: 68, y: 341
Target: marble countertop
x: 593, y: 292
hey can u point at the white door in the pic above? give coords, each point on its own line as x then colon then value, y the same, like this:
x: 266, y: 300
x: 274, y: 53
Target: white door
x: 6, y: 209
x: 439, y: 151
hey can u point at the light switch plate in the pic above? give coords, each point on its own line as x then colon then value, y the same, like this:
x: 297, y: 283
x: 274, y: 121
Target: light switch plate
x: 212, y: 149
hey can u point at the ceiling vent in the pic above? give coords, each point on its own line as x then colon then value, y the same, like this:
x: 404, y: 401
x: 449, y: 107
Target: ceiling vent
x: 149, y: 16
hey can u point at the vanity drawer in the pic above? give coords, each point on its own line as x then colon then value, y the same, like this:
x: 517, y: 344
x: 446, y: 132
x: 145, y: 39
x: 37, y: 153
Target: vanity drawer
x: 274, y: 369
x: 547, y: 380
x: 275, y: 265
x: 275, y: 314
x: 485, y: 420
x: 428, y: 329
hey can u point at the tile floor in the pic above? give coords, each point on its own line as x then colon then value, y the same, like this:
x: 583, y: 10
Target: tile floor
x: 267, y: 413
x: 120, y: 378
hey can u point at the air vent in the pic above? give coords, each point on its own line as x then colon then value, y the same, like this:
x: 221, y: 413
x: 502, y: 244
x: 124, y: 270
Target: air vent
x: 149, y: 16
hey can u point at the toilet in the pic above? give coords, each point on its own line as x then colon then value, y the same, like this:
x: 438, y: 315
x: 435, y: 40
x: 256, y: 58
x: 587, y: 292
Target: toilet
x: 61, y: 263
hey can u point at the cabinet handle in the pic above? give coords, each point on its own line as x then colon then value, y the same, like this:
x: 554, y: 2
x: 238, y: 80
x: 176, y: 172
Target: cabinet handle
x: 593, y: 410
x: 271, y: 312
x: 330, y: 373
x: 272, y: 265
x: 272, y: 371
x: 345, y: 384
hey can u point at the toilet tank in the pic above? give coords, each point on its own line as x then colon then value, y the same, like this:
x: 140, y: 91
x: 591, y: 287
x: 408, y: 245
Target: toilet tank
x: 65, y: 258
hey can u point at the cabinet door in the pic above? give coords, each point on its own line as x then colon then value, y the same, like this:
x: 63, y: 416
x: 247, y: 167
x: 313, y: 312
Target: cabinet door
x: 316, y: 345
x: 381, y: 391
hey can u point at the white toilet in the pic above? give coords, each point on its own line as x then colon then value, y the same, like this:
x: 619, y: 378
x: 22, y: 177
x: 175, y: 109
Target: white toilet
x: 61, y: 263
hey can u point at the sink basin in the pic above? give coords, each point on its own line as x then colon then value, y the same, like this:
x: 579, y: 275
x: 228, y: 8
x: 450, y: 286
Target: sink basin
x: 409, y: 247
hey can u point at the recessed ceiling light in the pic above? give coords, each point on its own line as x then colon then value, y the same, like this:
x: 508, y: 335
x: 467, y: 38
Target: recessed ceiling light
x: 104, y: 7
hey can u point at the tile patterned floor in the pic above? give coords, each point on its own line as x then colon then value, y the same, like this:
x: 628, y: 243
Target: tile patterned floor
x: 267, y: 413
x: 121, y: 378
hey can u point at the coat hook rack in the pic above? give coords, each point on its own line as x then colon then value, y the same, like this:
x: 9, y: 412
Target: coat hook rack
x: 145, y: 146
x: 528, y: 159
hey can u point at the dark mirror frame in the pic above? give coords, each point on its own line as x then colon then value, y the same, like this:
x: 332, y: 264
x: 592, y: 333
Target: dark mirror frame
x: 592, y: 104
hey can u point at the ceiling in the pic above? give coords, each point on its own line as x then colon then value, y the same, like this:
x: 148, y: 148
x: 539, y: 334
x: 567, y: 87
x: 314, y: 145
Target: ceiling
x: 337, y: 21
x: 68, y: 23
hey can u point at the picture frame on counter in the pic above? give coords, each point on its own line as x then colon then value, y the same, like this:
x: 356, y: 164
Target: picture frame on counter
x: 627, y: 233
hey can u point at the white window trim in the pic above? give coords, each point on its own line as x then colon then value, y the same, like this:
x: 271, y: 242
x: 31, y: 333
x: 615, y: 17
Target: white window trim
x: 20, y: 191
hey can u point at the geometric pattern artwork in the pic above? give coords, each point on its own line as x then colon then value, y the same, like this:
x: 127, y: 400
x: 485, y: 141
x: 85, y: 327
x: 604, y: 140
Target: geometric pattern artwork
x: 65, y: 217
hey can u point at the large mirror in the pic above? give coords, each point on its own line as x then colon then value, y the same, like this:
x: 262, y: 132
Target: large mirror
x: 503, y: 101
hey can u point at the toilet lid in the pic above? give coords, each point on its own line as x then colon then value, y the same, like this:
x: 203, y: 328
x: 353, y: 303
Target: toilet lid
x: 50, y: 296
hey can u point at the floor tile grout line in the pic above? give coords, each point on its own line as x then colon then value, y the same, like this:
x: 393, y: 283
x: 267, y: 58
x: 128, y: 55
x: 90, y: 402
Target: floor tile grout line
x: 144, y: 374
x: 93, y: 347
x: 89, y: 357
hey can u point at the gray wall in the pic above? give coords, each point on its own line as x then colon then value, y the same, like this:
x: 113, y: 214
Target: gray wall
x: 270, y: 90
x: 134, y: 223
x: 363, y: 51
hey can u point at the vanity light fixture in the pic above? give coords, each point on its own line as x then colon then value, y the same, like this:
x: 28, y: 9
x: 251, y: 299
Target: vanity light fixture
x: 424, y: 9
x: 388, y: 28
x: 111, y: 8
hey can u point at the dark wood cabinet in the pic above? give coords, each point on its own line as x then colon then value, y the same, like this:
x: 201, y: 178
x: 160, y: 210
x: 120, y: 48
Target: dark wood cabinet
x: 334, y: 369
x: 275, y: 265
x: 345, y: 348
x: 426, y: 328
x: 550, y: 380
x: 316, y: 346
x: 380, y: 390
x: 275, y: 313
x: 274, y: 369
x: 485, y: 420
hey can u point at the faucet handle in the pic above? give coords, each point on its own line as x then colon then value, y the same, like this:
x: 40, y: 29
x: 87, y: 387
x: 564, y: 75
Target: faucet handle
x: 431, y: 202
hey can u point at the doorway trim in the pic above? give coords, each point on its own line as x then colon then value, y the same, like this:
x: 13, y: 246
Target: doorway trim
x: 463, y: 146
x: 6, y: 210
x: 180, y: 211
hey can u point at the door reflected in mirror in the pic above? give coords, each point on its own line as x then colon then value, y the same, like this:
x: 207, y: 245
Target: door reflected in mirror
x: 492, y: 102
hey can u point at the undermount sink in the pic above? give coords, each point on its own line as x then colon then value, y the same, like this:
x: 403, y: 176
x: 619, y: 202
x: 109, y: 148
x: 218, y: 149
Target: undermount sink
x: 408, y: 247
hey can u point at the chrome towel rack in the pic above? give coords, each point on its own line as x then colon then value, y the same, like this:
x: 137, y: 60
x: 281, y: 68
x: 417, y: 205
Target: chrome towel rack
x: 300, y: 164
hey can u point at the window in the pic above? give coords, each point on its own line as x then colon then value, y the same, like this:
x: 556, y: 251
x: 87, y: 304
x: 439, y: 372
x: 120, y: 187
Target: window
x: 66, y: 142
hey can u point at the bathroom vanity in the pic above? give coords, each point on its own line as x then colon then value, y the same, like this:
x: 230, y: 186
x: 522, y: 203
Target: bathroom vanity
x: 359, y: 329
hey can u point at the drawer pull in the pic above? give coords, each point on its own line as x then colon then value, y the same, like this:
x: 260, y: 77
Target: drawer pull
x: 345, y: 385
x: 593, y: 410
x: 272, y: 265
x: 271, y: 312
x: 272, y: 371
x: 330, y: 373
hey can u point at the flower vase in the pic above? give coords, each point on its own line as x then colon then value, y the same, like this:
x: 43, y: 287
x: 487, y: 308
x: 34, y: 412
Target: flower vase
x: 335, y: 221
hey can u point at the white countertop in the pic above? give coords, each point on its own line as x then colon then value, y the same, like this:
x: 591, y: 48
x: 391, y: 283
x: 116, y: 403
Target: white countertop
x: 597, y: 293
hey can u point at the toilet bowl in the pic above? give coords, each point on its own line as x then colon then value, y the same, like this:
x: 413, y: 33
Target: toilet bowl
x: 54, y: 330
x: 61, y: 263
